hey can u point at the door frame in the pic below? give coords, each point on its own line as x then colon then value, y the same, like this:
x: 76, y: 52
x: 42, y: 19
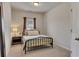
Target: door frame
x: 2, y: 41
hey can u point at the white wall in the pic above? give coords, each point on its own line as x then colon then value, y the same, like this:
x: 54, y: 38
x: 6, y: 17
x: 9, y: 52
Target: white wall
x: 45, y: 24
x: 17, y: 18
x: 58, y: 24
x: 6, y: 22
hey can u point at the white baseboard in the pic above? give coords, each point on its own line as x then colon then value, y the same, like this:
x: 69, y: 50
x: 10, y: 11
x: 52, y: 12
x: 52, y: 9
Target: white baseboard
x: 64, y: 47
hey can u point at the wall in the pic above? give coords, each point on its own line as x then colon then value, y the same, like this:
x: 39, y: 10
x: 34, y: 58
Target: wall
x: 58, y: 25
x: 45, y: 24
x: 6, y: 22
x: 17, y: 18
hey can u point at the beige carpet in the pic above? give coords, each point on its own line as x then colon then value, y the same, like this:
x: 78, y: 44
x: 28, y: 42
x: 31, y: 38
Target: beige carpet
x: 16, y: 51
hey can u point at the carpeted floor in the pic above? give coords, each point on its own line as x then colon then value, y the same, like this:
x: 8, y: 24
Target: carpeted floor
x: 16, y: 51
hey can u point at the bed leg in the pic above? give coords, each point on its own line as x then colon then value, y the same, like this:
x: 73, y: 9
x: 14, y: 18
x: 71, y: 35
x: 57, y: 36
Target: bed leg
x: 25, y: 50
x: 25, y: 47
x: 51, y: 43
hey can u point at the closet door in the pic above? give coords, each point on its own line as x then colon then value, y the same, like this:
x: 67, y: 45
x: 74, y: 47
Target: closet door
x: 75, y: 30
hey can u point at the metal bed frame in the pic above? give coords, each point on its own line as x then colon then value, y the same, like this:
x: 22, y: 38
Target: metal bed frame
x: 40, y: 41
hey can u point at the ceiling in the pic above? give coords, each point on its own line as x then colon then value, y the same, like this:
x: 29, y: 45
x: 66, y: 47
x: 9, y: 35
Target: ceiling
x: 28, y: 6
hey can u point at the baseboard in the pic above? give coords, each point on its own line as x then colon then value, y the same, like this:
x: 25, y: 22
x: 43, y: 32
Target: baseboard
x: 64, y: 47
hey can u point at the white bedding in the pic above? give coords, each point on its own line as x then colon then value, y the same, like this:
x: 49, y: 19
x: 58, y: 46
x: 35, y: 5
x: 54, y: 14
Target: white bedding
x: 32, y: 37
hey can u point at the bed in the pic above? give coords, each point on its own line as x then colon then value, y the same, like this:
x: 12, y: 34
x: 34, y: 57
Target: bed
x: 34, y: 39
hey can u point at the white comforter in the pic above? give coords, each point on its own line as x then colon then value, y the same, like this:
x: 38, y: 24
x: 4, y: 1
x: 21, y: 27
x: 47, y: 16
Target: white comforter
x: 31, y: 37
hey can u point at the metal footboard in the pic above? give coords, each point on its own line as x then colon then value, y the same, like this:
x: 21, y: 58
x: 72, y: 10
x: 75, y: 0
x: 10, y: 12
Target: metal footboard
x: 37, y: 42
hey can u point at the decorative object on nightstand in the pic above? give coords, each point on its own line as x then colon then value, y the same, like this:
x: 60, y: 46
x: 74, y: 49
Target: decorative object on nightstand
x: 14, y: 30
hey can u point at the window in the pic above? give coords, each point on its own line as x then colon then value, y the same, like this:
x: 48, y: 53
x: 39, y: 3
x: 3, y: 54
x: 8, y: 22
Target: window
x: 30, y: 24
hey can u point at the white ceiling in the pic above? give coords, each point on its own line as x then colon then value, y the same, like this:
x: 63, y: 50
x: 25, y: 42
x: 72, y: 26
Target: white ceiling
x: 28, y: 6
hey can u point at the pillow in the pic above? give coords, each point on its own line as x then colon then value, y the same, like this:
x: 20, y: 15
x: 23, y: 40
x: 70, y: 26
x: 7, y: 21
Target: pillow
x: 25, y: 33
x: 33, y: 32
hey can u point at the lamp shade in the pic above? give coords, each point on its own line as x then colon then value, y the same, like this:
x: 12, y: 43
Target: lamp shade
x: 14, y: 29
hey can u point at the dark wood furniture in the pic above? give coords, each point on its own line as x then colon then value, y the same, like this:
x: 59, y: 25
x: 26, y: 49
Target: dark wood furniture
x: 16, y: 40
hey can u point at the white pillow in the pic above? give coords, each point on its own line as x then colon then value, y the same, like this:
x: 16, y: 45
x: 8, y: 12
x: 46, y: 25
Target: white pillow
x: 33, y: 33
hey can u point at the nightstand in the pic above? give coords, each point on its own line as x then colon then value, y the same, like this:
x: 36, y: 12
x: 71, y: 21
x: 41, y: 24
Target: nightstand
x: 16, y: 40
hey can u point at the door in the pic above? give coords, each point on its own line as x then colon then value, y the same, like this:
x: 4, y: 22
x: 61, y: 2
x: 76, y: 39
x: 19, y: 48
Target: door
x: 75, y: 29
x: 1, y: 38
